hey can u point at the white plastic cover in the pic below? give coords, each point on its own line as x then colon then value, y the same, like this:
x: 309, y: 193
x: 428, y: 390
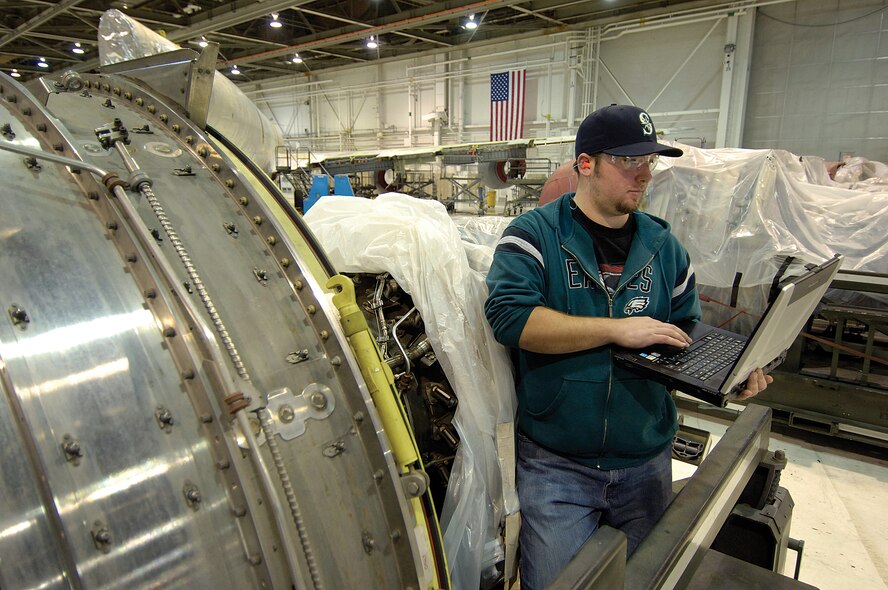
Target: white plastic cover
x: 861, y: 174
x: 745, y: 211
x: 484, y: 230
x: 480, y: 235
x: 419, y: 245
x: 231, y: 112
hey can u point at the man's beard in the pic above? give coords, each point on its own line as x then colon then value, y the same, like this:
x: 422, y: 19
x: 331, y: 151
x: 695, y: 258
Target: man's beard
x: 624, y: 209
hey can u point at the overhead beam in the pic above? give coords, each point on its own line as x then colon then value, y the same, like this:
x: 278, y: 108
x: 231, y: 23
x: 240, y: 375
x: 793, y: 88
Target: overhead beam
x: 215, y: 19
x: 65, y: 38
x: 434, y: 39
x: 15, y: 54
x: 38, y: 20
x: 245, y: 40
x: 405, y: 20
x: 536, y: 14
x: 340, y: 55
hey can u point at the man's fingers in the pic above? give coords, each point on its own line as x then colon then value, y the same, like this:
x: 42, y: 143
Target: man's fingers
x: 669, y: 335
x: 638, y: 332
x: 677, y: 341
x: 755, y: 384
x: 675, y: 335
x: 670, y: 340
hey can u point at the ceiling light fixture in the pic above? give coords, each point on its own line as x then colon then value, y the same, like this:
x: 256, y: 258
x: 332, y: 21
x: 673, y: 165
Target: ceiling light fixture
x: 203, y: 42
x: 275, y: 23
x: 78, y: 49
x: 471, y: 23
x: 235, y: 71
x: 297, y: 59
x: 15, y: 73
x: 371, y: 42
x: 42, y: 63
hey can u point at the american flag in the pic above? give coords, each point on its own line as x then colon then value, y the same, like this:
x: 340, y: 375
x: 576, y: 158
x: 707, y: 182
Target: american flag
x: 507, y: 90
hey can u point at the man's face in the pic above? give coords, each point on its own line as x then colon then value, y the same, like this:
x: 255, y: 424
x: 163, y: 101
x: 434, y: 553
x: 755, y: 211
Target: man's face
x: 615, y: 189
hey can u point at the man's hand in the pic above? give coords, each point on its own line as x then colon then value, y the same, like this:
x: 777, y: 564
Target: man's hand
x: 756, y: 383
x: 643, y: 331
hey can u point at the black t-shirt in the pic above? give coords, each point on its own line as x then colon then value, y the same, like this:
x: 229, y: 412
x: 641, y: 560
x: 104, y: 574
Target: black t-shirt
x: 611, y: 246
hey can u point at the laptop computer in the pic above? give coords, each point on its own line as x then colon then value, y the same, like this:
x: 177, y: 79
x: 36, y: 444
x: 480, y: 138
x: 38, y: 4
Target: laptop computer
x: 714, y: 368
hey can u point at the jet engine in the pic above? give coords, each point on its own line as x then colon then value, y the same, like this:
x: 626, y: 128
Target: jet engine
x: 190, y: 396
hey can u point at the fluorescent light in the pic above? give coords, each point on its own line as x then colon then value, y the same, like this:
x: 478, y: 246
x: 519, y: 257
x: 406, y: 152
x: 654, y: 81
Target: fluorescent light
x: 275, y: 23
x: 371, y: 43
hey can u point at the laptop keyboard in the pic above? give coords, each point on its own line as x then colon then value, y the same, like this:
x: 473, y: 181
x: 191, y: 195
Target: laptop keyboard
x: 714, y: 352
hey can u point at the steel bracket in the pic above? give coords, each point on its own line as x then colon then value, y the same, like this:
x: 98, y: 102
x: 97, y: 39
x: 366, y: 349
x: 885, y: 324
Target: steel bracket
x: 290, y: 412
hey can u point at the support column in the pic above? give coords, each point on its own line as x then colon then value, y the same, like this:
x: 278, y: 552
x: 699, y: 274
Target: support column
x: 735, y: 79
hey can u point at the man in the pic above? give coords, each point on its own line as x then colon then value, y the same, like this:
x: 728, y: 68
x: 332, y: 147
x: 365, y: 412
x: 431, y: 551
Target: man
x: 569, y: 282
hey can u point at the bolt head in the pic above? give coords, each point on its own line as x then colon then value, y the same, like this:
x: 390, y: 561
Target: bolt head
x: 286, y: 414
x: 319, y: 400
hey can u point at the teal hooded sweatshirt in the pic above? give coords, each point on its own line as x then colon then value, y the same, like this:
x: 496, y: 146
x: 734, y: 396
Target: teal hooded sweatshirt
x: 580, y: 405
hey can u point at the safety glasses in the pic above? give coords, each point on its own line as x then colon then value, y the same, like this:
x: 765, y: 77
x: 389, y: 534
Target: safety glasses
x: 635, y: 162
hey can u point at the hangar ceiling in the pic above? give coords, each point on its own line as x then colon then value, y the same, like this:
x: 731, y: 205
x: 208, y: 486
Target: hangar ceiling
x: 324, y: 33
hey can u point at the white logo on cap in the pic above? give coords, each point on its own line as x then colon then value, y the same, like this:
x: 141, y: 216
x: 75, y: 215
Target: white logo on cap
x: 646, y: 124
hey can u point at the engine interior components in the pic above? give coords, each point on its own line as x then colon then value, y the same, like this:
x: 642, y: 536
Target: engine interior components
x: 173, y: 373
x: 425, y: 391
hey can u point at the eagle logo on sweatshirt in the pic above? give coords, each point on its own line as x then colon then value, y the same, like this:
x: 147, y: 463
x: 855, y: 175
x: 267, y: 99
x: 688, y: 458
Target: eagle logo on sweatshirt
x: 636, y: 305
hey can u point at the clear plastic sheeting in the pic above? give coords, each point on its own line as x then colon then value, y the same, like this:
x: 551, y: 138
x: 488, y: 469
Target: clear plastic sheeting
x: 482, y: 230
x: 862, y: 174
x: 419, y: 245
x: 480, y: 235
x: 231, y: 112
x: 123, y: 39
x: 745, y: 211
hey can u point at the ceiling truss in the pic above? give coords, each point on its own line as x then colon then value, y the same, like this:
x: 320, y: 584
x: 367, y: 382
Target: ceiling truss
x: 325, y: 33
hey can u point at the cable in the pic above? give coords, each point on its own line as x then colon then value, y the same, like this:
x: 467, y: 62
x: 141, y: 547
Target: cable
x: 267, y: 425
x: 850, y: 20
x: 398, y: 342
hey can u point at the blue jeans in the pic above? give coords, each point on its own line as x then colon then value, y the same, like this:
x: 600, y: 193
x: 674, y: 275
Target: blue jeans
x: 563, y: 503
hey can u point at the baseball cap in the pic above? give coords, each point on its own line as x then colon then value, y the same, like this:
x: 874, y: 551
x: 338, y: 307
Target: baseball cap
x: 621, y: 130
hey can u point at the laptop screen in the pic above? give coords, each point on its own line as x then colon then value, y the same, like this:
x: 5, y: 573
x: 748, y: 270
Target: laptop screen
x: 796, y: 300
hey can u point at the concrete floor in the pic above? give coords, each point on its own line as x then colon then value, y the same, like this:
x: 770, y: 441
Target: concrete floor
x: 841, y: 510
